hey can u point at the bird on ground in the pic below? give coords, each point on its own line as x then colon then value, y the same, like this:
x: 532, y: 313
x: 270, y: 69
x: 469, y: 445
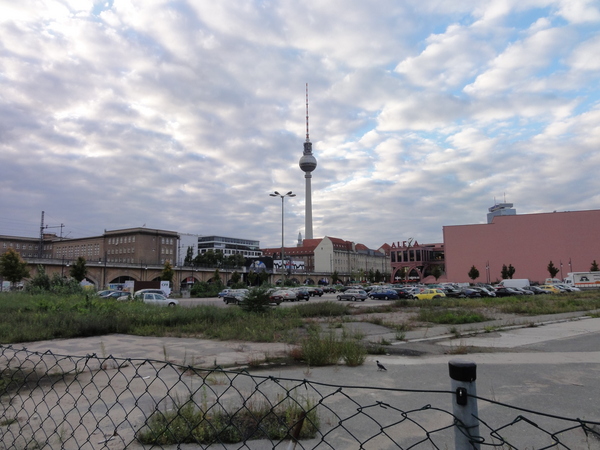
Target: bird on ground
x: 380, y: 366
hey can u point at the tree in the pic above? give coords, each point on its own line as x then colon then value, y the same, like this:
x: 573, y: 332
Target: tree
x: 594, y: 267
x: 79, y: 270
x: 216, y: 277
x: 235, y: 277
x: 167, y: 273
x: 473, y: 273
x: 552, y: 270
x: 511, y: 271
x: 378, y: 276
x: 12, y: 267
x: 189, y: 256
x: 436, y: 271
x: 256, y: 301
x: 371, y: 275
x: 402, y: 273
x: 504, y: 272
x: 40, y: 281
x: 335, y: 277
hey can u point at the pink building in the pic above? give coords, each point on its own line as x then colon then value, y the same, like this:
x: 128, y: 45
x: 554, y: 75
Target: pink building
x: 527, y: 241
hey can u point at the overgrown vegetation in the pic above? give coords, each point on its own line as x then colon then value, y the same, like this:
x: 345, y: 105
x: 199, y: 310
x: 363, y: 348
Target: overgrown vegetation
x: 190, y: 423
x: 323, y: 349
x: 28, y: 317
x: 450, y: 316
x: 69, y: 313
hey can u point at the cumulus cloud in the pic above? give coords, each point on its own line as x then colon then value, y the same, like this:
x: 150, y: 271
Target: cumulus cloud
x: 186, y: 115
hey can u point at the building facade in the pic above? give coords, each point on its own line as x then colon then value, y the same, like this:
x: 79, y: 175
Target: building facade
x: 325, y: 256
x: 528, y: 242
x: 229, y: 246
x: 414, y: 262
x: 132, y: 246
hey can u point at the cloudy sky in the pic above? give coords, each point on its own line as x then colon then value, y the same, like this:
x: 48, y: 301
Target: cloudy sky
x: 185, y: 115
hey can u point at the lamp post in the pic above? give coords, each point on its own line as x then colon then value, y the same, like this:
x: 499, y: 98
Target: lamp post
x: 277, y: 194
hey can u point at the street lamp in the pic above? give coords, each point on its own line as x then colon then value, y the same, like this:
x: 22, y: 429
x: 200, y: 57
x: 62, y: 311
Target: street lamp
x: 277, y: 194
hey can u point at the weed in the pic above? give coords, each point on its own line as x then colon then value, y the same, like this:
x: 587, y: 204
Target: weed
x: 377, y: 350
x: 455, y: 331
x: 460, y: 349
x: 8, y: 421
x: 188, y: 423
x: 457, y: 316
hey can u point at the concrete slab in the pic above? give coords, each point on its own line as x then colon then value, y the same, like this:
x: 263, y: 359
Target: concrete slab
x: 519, y: 337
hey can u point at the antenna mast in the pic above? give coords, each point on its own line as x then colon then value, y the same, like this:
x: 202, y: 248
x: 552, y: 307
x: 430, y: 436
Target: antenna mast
x: 307, y: 138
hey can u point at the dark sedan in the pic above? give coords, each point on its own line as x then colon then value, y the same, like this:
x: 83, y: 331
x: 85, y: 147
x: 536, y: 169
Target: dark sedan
x: 470, y: 293
x: 536, y: 290
x: 506, y: 292
x: 453, y: 293
x: 386, y: 294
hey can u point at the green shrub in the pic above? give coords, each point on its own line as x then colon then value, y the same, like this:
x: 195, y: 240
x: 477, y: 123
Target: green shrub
x: 256, y: 301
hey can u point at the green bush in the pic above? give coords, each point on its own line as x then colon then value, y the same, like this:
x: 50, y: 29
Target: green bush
x: 256, y: 301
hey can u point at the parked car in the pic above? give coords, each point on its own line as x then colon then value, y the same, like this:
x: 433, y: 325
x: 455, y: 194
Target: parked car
x: 158, y: 299
x: 550, y: 288
x: 235, y: 296
x: 277, y: 296
x: 151, y: 291
x: 536, y: 290
x: 287, y: 295
x: 452, y: 292
x: 224, y: 292
x: 483, y: 291
x: 428, y: 294
x: 353, y: 294
x: 522, y: 291
x: 470, y: 293
x: 314, y: 291
x: 385, y: 294
x: 302, y: 293
x: 402, y: 293
x: 567, y: 288
x: 152, y: 298
x: 113, y: 294
x: 328, y: 289
x: 506, y: 292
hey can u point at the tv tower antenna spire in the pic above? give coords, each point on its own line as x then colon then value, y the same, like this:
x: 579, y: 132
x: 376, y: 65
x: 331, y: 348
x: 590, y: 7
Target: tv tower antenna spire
x: 307, y: 138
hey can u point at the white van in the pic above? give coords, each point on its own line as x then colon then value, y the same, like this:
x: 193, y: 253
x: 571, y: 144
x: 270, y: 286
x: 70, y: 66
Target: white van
x: 516, y: 283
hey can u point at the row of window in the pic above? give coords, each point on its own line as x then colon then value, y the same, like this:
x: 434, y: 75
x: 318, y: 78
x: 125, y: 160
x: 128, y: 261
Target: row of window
x: 80, y: 250
x: 417, y: 255
x: 121, y: 240
x: 19, y: 246
x: 129, y: 260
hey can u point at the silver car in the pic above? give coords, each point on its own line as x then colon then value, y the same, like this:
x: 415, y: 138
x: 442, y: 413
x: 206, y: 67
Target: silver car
x: 353, y: 294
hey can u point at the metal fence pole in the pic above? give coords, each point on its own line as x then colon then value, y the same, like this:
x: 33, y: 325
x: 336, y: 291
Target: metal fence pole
x: 463, y: 375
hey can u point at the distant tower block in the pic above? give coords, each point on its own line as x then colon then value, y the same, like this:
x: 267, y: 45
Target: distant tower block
x: 308, y: 163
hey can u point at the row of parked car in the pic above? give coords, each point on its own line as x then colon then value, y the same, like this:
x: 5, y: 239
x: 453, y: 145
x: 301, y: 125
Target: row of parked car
x: 448, y: 290
x: 276, y: 296
x: 149, y: 296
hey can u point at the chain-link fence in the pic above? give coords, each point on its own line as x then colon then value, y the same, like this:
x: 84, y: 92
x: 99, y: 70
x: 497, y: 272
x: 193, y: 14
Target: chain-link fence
x: 92, y: 402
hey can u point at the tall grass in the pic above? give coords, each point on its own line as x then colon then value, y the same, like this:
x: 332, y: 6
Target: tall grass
x: 25, y: 317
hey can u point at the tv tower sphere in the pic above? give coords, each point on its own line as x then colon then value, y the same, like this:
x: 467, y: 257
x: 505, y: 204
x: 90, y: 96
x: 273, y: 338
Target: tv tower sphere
x: 308, y: 162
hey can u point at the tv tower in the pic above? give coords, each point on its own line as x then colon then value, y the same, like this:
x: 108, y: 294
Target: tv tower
x: 308, y: 163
